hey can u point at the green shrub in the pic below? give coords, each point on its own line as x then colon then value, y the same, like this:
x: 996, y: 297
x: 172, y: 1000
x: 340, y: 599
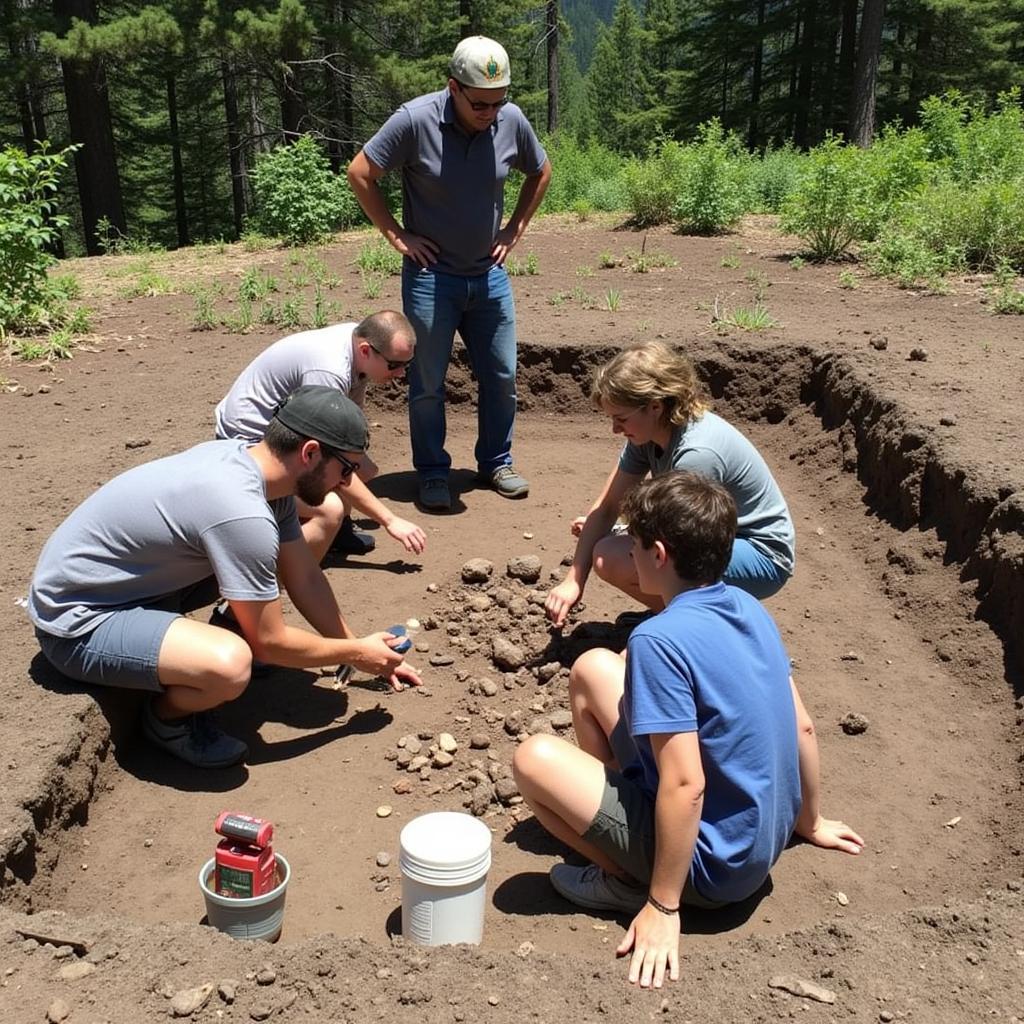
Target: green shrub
x: 908, y: 260
x: 773, y: 177
x: 378, y: 257
x: 712, y: 194
x: 588, y: 173
x: 830, y: 208
x: 897, y: 168
x: 298, y: 196
x: 28, y: 223
x: 653, y: 183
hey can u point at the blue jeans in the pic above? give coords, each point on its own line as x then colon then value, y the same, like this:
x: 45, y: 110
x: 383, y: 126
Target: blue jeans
x: 482, y: 311
x: 752, y: 571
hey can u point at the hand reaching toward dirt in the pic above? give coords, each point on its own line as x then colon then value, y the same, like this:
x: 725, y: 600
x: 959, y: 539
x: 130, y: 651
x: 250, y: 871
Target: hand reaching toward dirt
x: 560, y: 600
x: 654, y: 939
x: 834, y: 835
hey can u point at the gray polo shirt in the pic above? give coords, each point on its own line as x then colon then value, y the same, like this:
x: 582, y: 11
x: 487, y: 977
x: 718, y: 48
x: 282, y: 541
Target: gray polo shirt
x: 453, y: 183
x: 714, y: 448
x: 157, y: 529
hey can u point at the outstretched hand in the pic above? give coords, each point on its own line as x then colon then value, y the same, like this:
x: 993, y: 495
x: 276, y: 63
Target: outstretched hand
x: 833, y: 835
x: 408, y: 534
x: 654, y: 939
x: 560, y: 600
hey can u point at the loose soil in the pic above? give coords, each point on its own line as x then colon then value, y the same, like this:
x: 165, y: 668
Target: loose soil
x: 907, y: 607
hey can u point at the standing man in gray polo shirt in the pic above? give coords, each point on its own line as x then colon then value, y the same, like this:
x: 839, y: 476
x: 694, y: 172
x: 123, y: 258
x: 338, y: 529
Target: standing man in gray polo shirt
x: 454, y: 149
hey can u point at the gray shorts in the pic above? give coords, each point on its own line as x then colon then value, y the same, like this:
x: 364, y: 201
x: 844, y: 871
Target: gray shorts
x: 623, y: 830
x: 124, y: 649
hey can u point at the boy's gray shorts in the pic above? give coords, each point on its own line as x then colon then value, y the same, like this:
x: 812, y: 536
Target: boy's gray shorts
x: 623, y: 829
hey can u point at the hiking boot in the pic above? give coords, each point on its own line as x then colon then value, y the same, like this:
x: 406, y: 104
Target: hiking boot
x: 350, y: 541
x: 595, y: 889
x: 196, y: 739
x: 435, y: 495
x: 507, y: 482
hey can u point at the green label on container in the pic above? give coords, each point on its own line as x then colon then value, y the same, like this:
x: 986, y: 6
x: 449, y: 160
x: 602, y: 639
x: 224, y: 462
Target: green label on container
x: 234, y: 883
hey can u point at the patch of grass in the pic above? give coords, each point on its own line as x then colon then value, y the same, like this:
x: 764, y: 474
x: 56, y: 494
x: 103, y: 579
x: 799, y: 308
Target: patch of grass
x: 255, y: 286
x: 745, y: 318
x: 607, y: 261
x: 377, y: 257
x: 643, y: 262
x: 66, y: 286
x: 730, y: 262
x: 147, y: 284
x: 797, y: 263
x: 583, y: 270
x: 530, y: 267
x: 241, y: 320
x: 291, y: 313
x: 612, y: 300
x: 583, y: 209
x: 372, y: 284
x: 848, y: 280
x: 559, y: 298
x: 204, y: 313
x: 256, y: 241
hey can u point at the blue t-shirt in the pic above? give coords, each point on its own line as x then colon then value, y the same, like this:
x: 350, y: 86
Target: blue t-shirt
x: 713, y: 663
x: 453, y: 182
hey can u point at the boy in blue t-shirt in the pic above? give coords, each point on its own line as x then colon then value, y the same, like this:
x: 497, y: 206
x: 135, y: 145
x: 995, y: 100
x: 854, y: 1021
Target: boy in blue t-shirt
x: 696, y: 761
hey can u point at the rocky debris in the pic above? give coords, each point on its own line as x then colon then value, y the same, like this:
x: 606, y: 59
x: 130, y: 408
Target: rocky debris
x: 266, y: 975
x: 401, y: 787
x: 525, y: 949
x: 854, y: 723
x: 802, y: 987
x: 383, y: 859
x: 918, y: 355
x: 842, y: 899
x: 446, y: 742
x: 411, y: 744
x: 58, y: 1011
x: 506, y: 790
x: 440, y: 660
x: 479, y: 741
x: 478, y: 602
x: 507, y: 655
x: 228, y: 990
x: 949, y: 420
x: 384, y: 811
x: 189, y: 1000
x: 261, y: 1011
x: 137, y: 442
x: 524, y: 567
x: 442, y: 760
x: 850, y: 656
x: 548, y: 671
x: 488, y: 687
x: 879, y: 342
x: 477, y: 570
x: 561, y: 719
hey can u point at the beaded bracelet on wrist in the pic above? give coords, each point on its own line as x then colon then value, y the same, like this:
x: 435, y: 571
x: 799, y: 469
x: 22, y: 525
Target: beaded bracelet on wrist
x: 661, y: 906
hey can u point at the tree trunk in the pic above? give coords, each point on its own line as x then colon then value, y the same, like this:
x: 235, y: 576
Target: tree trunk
x: 847, y: 61
x: 89, y: 123
x: 805, y: 73
x: 753, y: 129
x: 293, y: 100
x: 181, y: 214
x: 236, y: 154
x: 918, y: 78
x: 791, y: 104
x: 552, y: 37
x: 865, y: 79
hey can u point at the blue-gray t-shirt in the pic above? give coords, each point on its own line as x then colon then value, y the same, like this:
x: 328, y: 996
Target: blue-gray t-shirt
x: 710, y: 446
x: 713, y: 663
x: 453, y: 182
x: 157, y: 529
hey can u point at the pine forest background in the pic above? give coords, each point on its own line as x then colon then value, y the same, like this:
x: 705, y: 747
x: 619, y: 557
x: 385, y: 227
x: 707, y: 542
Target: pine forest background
x: 173, y: 105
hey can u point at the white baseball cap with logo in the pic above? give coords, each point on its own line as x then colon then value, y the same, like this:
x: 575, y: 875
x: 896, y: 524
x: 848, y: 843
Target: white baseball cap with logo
x: 480, y: 63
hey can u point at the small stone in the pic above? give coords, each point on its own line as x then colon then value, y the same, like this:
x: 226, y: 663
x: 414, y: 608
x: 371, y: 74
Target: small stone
x: 418, y: 762
x: 802, y: 987
x: 401, y: 787
x: 266, y: 975
x: 446, y: 741
x: 76, y: 971
x: 842, y: 899
x: 187, y: 1001
x: 411, y: 744
x: 442, y: 760
x: 383, y: 859
x: 261, y: 1011
x: 548, y: 671
x: 488, y: 687
x: 384, y: 811
x: 432, y: 588
x: 479, y: 741
x: 412, y: 623
x: 918, y: 355
x: 850, y: 656
x: 886, y: 1017
x: 879, y: 342
x: 506, y: 655
x: 478, y: 602
x: 854, y: 723
x: 58, y: 1011
x: 527, y: 535
x: 227, y: 990
x: 479, y: 803
x: 525, y: 949
x: 440, y: 660
x: 493, y: 1000
x: 949, y: 420
x: 561, y: 719
x: 506, y: 789
x: 477, y: 570
x: 137, y: 442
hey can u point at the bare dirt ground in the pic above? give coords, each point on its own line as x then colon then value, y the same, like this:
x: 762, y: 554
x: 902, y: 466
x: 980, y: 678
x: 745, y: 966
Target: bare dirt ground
x: 904, y: 478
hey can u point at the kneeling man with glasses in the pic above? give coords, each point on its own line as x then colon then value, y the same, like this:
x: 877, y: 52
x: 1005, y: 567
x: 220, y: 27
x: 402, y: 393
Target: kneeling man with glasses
x: 114, y: 581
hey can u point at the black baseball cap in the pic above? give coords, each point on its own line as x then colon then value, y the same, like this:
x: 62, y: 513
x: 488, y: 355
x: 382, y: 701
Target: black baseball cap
x: 325, y: 415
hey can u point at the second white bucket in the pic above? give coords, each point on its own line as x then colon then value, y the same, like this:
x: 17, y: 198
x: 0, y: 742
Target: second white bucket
x: 444, y: 858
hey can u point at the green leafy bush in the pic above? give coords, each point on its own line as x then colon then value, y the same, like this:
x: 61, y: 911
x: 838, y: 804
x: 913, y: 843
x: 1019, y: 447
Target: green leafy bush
x: 590, y: 173
x: 773, y: 177
x: 298, y: 197
x: 897, y: 169
x: 830, y: 208
x: 712, y: 194
x: 653, y: 183
x: 28, y: 189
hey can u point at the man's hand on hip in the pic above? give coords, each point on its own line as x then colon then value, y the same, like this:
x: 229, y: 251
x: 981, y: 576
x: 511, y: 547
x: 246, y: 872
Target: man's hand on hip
x: 416, y: 247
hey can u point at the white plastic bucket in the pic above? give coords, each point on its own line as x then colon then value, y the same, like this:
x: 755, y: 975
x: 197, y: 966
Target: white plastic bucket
x: 444, y: 858
x: 252, y: 917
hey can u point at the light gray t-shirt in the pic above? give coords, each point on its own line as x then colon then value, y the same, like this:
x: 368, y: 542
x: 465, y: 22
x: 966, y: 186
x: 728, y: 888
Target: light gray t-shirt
x: 157, y: 529
x: 716, y: 449
x: 322, y: 357
x: 453, y: 183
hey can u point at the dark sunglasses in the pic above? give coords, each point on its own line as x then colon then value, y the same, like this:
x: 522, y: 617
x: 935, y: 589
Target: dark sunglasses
x: 393, y: 364
x: 481, y: 105
x: 348, y: 467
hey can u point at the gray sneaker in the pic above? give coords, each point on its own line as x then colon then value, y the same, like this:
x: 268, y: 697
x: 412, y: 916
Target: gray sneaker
x: 507, y: 482
x: 196, y: 739
x: 595, y: 889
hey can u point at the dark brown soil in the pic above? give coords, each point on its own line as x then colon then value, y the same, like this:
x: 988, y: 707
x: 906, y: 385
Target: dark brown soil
x: 907, y: 607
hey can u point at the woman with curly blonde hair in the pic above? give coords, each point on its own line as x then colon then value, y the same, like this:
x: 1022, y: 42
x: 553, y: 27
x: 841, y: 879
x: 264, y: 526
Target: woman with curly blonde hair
x: 653, y: 398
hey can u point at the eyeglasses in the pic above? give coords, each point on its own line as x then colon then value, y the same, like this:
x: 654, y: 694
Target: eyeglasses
x: 348, y: 467
x: 481, y: 105
x: 393, y: 364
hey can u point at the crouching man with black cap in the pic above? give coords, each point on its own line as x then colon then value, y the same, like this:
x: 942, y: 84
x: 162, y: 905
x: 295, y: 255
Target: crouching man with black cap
x: 113, y: 582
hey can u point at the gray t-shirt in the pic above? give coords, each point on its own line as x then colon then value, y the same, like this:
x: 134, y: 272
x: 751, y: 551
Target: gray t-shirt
x: 310, y: 357
x: 716, y: 449
x: 453, y: 183
x: 157, y: 529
